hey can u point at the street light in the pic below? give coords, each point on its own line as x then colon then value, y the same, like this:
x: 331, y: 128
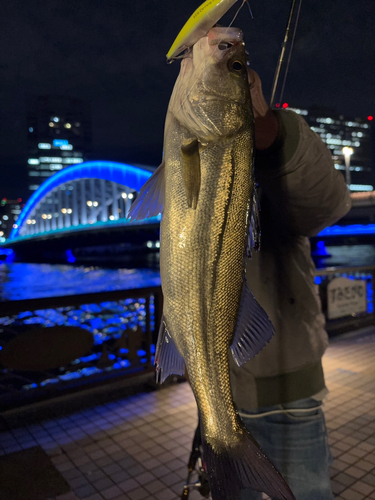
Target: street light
x: 347, y: 152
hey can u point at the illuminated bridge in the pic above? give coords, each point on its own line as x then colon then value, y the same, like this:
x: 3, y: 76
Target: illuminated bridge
x: 81, y: 206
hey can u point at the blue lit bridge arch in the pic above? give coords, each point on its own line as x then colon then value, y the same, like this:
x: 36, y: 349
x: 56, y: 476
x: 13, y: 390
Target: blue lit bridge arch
x: 81, y: 195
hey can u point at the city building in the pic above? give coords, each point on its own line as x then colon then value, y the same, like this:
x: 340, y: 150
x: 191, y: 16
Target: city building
x: 349, y: 140
x: 59, y: 134
x: 9, y: 212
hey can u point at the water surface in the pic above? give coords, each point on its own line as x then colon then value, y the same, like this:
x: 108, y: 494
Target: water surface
x: 19, y: 281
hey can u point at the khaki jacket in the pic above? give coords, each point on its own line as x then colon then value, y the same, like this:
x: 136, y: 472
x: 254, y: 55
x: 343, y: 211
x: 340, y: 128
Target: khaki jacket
x: 301, y: 194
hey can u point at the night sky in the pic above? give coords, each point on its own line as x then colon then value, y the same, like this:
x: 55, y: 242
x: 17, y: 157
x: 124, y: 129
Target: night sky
x: 112, y: 53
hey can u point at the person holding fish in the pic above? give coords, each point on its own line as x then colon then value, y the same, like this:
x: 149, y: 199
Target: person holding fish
x: 279, y: 392
x: 213, y: 324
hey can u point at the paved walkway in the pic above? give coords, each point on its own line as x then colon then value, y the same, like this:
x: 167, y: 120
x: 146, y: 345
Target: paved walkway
x: 137, y: 447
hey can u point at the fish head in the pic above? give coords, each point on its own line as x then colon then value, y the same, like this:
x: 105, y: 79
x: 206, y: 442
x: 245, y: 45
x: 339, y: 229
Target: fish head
x: 211, y: 97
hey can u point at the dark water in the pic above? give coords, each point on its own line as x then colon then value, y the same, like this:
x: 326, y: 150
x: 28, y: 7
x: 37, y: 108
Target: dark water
x: 20, y: 281
x: 25, y: 281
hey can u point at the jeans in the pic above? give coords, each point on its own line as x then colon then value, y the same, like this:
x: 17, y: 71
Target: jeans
x: 297, y: 444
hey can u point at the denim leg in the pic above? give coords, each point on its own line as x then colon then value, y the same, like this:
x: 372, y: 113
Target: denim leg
x: 297, y: 445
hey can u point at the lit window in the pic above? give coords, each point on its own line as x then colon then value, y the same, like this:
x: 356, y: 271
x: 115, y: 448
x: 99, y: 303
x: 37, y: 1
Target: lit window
x: 55, y: 119
x: 5, y: 217
x: 60, y: 142
x: 44, y: 145
x: 31, y: 129
x: 361, y: 187
x: 72, y: 160
x: 67, y: 125
x: 51, y: 124
x: 1, y: 233
x: 33, y: 161
x: 68, y: 147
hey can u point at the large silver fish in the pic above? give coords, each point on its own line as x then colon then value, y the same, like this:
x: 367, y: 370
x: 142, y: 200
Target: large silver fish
x: 205, y: 188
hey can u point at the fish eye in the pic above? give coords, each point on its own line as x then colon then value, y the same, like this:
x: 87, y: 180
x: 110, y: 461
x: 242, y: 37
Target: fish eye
x: 237, y: 66
x: 225, y: 45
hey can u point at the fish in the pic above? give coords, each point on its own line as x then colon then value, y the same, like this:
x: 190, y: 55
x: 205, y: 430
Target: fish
x: 204, y: 189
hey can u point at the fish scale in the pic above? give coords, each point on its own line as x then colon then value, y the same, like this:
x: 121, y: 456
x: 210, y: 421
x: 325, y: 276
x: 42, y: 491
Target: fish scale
x: 207, y: 185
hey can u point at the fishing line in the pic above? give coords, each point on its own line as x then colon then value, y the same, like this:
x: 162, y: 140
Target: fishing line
x: 236, y: 14
x: 290, y: 51
x: 276, y: 412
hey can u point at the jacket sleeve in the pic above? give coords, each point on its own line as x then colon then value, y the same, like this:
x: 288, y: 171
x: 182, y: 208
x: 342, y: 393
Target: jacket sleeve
x: 297, y: 175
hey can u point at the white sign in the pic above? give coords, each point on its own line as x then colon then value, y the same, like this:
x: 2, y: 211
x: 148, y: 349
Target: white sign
x: 346, y: 297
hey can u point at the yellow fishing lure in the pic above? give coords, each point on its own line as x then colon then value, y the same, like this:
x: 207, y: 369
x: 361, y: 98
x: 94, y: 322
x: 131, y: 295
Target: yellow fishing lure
x: 203, y: 19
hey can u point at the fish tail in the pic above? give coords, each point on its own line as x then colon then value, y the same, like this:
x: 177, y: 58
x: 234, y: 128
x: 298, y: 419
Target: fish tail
x: 243, y: 466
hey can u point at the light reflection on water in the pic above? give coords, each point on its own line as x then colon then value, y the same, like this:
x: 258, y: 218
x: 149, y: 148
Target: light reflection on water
x: 20, y: 281
x: 350, y: 255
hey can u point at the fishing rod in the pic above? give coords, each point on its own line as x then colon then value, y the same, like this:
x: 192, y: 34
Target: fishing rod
x: 282, y: 53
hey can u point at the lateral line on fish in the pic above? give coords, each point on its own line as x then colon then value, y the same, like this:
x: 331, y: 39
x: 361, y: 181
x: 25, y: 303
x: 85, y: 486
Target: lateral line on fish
x: 221, y: 236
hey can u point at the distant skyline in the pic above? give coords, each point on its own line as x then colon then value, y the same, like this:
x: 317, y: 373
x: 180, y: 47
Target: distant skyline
x: 113, y: 55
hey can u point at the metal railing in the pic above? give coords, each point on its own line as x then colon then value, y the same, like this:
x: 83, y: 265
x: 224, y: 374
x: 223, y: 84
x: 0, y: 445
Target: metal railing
x: 123, y: 325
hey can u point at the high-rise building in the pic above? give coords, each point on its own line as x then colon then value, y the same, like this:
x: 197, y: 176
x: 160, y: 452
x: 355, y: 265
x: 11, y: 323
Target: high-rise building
x: 9, y: 212
x: 349, y: 140
x: 59, y: 134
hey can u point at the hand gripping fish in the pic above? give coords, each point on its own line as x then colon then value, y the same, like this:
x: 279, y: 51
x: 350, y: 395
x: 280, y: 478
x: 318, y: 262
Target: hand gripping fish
x: 205, y: 188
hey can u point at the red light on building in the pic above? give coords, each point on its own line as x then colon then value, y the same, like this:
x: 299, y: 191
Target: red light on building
x: 285, y: 105
x: 370, y: 118
x: 19, y: 200
x: 277, y: 105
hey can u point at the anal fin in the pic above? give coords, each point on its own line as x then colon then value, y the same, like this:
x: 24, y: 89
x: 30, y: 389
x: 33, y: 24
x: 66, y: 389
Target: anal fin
x: 167, y: 359
x: 253, y: 330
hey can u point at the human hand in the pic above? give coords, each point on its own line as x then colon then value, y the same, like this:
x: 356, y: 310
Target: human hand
x: 266, y: 124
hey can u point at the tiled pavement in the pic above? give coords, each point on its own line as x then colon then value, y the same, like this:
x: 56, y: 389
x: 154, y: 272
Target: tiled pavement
x: 137, y: 447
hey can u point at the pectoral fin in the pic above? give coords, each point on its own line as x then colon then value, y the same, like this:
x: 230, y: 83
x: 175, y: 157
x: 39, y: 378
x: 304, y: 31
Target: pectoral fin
x: 254, y: 328
x: 150, y: 200
x: 167, y: 358
x: 191, y: 171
